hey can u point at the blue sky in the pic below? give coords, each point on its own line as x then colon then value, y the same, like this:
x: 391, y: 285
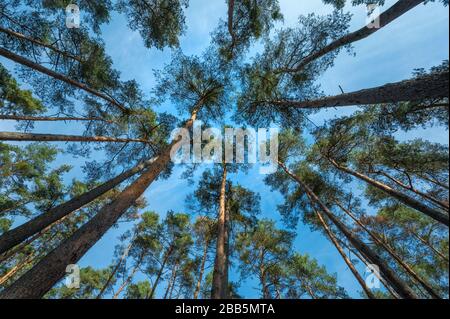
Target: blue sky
x: 419, y: 39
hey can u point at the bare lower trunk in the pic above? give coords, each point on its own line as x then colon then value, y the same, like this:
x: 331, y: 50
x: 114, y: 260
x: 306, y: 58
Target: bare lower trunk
x: 341, y: 251
x: 30, y: 137
x: 433, y: 86
x: 171, y: 284
x: 202, y: 270
x: 21, y: 60
x: 391, y: 252
x: 394, y: 12
x: 220, y: 273
x: 401, y: 287
x: 21, y: 233
x: 403, y: 198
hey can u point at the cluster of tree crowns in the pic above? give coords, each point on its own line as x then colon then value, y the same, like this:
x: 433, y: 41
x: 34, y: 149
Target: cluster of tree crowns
x: 380, y: 201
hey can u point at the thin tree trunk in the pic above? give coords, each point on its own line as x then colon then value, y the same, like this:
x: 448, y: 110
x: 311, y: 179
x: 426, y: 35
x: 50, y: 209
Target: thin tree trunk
x: 38, y: 42
x: 391, y: 252
x: 403, y: 198
x: 394, y: 12
x: 426, y: 196
x: 426, y: 243
x: 51, y: 119
x: 28, y: 260
x: 220, y: 278
x: 402, y: 288
x: 116, y: 268
x: 42, y: 277
x: 21, y: 233
x: 432, y: 86
x: 16, y: 136
x: 311, y: 292
x: 230, y: 23
x: 171, y: 281
x: 21, y: 60
x: 202, y: 270
x: 434, y: 181
x: 129, y: 278
x: 341, y: 251
x: 161, y: 270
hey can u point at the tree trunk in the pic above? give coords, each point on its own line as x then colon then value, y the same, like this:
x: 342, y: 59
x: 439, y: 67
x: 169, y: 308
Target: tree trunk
x: 16, y: 136
x: 341, y: 251
x: 202, y: 270
x: 161, y: 270
x: 403, y: 198
x: 391, y: 252
x: 426, y: 196
x: 21, y: 233
x: 394, y: 12
x: 129, y: 278
x: 220, y: 273
x: 432, y: 86
x: 402, y: 288
x: 51, y: 119
x: 28, y: 260
x: 38, y: 42
x: 426, y: 243
x: 116, y: 268
x: 21, y: 60
x: 171, y: 282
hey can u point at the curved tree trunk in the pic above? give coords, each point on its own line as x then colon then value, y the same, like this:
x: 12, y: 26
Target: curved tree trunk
x: 19, y: 234
x: 391, y: 252
x: 401, y: 287
x: 43, y: 276
x: 403, y: 198
x: 432, y: 86
x: 220, y: 273
x: 394, y: 12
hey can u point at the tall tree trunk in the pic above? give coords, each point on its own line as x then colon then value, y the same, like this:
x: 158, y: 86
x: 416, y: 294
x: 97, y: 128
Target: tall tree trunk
x: 161, y: 270
x: 341, y: 251
x: 435, y: 201
x: 202, y: 270
x: 130, y: 277
x: 16, y: 136
x: 394, y: 12
x: 426, y: 243
x: 401, y: 287
x: 116, y: 268
x: 21, y: 60
x: 432, y: 86
x: 220, y: 273
x: 30, y: 240
x: 21, y: 233
x: 434, y: 181
x: 14, y: 270
x: 311, y: 292
x: 51, y: 118
x: 403, y: 198
x: 38, y: 42
x: 43, y: 276
x: 391, y: 252
x: 171, y: 281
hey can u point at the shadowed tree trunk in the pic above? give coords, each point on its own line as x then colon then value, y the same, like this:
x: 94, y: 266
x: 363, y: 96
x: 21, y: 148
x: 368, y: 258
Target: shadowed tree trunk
x: 16, y: 136
x: 220, y: 273
x: 21, y: 233
x: 403, y: 198
x: 401, y: 287
x: 342, y: 252
x: 168, y: 293
x: 432, y: 86
x: 129, y: 278
x: 167, y: 254
x: 43, y: 276
x: 391, y: 252
x: 394, y: 12
x: 21, y: 60
x: 426, y: 243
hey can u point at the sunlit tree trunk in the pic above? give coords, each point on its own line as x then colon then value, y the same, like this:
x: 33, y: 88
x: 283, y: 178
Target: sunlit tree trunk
x: 202, y: 270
